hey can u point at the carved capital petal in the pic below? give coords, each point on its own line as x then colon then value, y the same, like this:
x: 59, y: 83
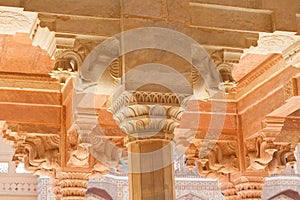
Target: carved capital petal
x: 148, y: 114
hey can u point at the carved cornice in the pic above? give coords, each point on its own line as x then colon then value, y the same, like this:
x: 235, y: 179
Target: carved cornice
x: 257, y: 72
x: 275, y: 42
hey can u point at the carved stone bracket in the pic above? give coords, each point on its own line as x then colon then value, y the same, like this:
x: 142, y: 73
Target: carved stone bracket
x: 220, y: 161
x: 40, y: 153
x: 224, y: 61
x: 264, y: 154
x: 68, y: 61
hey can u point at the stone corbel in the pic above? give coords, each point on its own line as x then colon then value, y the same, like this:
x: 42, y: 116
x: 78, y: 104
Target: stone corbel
x: 219, y: 162
x: 224, y: 61
x: 68, y: 61
x: 266, y: 155
x: 77, y: 154
x: 40, y: 154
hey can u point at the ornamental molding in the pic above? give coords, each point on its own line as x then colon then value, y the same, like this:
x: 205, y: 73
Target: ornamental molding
x: 144, y: 97
x: 73, y: 185
x: 276, y: 42
x: 279, y: 42
x: 45, y: 39
x: 249, y: 187
x: 16, y: 20
x: 257, y: 72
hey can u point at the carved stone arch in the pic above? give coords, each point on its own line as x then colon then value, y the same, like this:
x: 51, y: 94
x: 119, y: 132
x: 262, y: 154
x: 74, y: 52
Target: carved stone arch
x: 286, y: 194
x: 191, y: 196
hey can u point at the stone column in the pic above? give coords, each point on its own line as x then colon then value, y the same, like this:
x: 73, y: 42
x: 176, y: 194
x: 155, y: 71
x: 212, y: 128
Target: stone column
x: 151, y: 169
x: 149, y: 129
x: 73, y: 185
x: 250, y: 187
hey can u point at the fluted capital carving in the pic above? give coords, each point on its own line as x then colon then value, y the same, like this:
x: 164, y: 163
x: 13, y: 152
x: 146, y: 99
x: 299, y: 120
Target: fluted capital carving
x: 145, y: 115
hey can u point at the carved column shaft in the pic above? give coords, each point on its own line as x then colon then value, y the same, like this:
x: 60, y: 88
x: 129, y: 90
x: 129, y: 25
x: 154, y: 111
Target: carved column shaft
x: 73, y: 185
x: 150, y: 132
x: 152, y: 172
x: 250, y: 187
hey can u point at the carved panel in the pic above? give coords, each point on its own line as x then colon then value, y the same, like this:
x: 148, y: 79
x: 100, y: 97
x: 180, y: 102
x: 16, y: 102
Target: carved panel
x: 14, y: 20
x: 289, y: 89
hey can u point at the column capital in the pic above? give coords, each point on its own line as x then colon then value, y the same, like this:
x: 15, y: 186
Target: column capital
x: 144, y: 115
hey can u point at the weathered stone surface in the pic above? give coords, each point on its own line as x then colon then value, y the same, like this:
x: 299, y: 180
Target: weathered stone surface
x: 244, y: 19
x: 80, y: 25
x: 106, y: 8
x: 37, y: 61
x: 247, y: 131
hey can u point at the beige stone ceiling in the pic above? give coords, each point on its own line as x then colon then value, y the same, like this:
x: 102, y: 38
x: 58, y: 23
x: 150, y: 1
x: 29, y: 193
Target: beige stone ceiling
x: 226, y: 23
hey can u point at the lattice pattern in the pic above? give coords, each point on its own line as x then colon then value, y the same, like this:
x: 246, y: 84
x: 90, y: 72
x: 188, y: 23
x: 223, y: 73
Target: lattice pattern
x: 4, y: 167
